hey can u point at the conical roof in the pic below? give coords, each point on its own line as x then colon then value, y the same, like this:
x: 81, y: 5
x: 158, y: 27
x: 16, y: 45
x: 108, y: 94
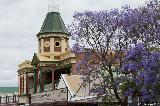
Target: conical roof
x: 53, y: 23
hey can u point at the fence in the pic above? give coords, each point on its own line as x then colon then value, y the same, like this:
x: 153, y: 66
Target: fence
x: 9, y: 99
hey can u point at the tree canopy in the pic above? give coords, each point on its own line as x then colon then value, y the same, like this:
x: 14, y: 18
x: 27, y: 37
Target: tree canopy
x: 124, y: 45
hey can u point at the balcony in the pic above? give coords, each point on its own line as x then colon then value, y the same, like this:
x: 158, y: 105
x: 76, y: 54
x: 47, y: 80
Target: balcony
x: 50, y: 96
x: 48, y: 87
x: 31, y: 90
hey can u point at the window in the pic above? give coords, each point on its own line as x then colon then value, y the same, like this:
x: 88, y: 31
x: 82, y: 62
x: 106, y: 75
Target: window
x: 57, y: 44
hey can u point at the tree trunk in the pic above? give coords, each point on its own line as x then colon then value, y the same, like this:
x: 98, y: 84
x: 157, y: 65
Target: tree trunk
x: 124, y: 104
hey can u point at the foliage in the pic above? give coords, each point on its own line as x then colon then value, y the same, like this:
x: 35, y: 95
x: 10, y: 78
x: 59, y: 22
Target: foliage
x: 107, y: 40
x: 143, y: 68
x: 142, y: 25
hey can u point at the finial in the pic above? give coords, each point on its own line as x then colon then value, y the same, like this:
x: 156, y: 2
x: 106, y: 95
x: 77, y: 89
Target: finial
x: 53, y: 7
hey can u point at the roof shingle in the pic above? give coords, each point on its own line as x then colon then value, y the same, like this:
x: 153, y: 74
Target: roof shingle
x: 53, y: 23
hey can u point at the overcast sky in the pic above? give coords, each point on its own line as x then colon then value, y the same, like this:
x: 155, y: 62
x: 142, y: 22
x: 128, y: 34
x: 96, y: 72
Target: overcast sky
x: 21, y: 20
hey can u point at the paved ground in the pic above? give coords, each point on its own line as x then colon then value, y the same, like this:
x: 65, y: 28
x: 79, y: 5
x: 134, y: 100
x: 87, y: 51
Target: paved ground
x: 8, y: 104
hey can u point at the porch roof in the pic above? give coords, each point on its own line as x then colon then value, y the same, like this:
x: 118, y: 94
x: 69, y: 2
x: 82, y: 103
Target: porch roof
x: 75, y: 86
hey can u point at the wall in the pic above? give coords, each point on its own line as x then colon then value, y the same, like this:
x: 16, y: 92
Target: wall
x: 50, y: 97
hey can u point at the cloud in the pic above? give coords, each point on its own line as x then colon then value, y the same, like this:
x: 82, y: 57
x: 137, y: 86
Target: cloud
x: 21, y: 20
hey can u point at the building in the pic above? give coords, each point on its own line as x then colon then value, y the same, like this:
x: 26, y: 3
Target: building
x: 54, y: 57
x: 50, y: 76
x: 25, y: 81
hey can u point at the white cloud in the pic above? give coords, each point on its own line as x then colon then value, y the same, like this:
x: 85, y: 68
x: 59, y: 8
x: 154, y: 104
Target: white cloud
x: 21, y: 20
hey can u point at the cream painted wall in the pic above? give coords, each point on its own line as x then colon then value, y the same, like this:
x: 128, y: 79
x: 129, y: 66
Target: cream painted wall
x: 23, y: 99
x: 42, y: 48
x: 52, y: 45
x: 63, y: 44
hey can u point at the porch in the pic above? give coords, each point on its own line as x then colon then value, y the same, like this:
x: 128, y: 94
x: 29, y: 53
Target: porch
x: 47, y: 79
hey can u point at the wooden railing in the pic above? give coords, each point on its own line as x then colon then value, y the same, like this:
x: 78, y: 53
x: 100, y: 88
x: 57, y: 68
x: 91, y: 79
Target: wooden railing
x: 31, y: 90
x: 9, y: 99
x: 48, y: 87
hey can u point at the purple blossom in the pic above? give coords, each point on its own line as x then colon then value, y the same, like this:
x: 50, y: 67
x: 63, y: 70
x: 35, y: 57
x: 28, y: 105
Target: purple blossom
x: 147, y: 74
x: 138, y: 81
x: 98, y: 90
x: 77, y: 49
x: 105, y: 31
x: 129, y: 92
x: 130, y: 67
x: 137, y: 51
x: 145, y: 95
x: 150, y: 78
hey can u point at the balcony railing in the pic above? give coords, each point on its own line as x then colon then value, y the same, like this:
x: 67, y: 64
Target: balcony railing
x: 48, y: 87
x: 31, y: 90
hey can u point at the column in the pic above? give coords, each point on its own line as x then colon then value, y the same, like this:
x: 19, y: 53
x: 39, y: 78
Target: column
x: 27, y: 84
x: 23, y: 83
x: 63, y: 44
x: 20, y: 88
x: 35, y: 79
x: 69, y: 67
x: 52, y: 45
x: 41, y: 80
x: 53, y: 84
x: 19, y: 83
x: 42, y: 45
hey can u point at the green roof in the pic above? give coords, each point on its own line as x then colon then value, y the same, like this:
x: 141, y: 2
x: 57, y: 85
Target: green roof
x: 8, y: 89
x: 53, y: 23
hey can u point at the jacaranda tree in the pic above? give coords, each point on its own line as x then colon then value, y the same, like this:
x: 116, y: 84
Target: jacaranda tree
x: 106, y: 39
x: 143, y: 24
x: 142, y: 68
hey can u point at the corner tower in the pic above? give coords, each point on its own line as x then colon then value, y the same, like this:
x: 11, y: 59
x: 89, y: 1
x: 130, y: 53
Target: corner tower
x: 53, y: 36
x: 54, y: 57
